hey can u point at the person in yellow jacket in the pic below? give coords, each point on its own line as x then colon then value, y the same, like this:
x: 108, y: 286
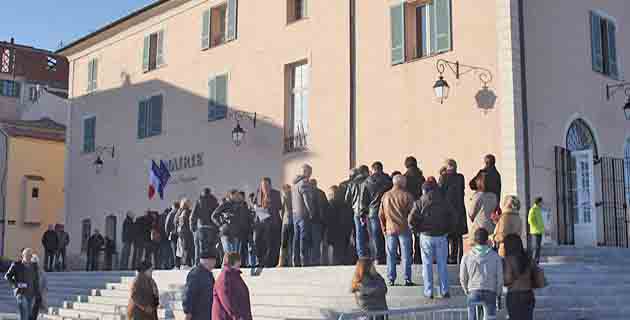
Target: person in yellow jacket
x: 536, y: 227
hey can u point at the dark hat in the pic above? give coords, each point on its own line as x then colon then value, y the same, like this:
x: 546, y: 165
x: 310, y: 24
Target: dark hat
x: 144, y: 266
x: 209, y: 253
x: 481, y: 236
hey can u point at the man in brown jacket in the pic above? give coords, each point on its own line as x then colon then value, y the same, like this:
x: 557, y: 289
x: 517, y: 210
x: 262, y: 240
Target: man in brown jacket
x: 394, y: 213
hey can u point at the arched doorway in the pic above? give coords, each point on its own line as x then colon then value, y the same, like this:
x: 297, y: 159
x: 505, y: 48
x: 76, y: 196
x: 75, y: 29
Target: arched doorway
x: 582, y: 146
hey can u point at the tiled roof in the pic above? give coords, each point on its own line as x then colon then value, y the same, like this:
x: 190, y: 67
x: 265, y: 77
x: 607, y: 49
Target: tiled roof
x: 45, y: 129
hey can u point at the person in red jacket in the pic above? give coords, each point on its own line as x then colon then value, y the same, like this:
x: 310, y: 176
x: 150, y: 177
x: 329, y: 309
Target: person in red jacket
x: 231, y: 295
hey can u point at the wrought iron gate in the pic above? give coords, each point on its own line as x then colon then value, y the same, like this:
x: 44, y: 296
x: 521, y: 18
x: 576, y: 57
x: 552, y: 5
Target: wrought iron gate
x: 614, y: 204
x: 565, y: 196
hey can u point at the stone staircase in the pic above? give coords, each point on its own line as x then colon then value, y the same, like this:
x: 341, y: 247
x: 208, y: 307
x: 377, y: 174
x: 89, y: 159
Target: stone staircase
x: 584, y: 284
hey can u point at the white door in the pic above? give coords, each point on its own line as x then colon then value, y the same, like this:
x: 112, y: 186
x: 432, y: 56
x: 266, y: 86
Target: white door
x: 585, y: 214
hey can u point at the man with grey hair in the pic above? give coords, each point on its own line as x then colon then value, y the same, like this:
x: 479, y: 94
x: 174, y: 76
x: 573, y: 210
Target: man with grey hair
x: 24, y: 277
x: 396, y: 205
x: 303, y: 200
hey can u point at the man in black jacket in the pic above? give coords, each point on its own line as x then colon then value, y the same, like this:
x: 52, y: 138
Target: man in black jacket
x: 432, y: 216
x: 377, y: 184
x: 198, y: 299
x: 493, y: 178
x: 171, y: 231
x: 142, y: 239
x: 50, y: 241
x: 127, y: 240
x: 24, y: 278
x: 201, y: 224
x: 358, y: 197
x: 452, y: 185
x: 339, y: 226
x: 303, y: 201
x: 318, y: 225
x: 94, y: 248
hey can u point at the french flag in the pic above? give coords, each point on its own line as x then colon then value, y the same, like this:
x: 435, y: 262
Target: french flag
x: 154, y: 180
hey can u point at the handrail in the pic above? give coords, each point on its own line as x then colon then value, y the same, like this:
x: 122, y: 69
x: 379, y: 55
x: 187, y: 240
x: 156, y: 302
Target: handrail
x: 393, y: 312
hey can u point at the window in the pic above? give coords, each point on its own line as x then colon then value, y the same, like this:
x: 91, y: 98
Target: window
x: 297, y: 115
x: 33, y: 93
x: 92, y: 74
x: 296, y: 10
x: 153, y: 51
x: 419, y: 29
x: 6, y: 60
x: 89, y: 135
x: 10, y: 88
x: 35, y: 193
x: 604, y: 45
x: 217, y: 97
x: 219, y: 24
x: 150, y: 117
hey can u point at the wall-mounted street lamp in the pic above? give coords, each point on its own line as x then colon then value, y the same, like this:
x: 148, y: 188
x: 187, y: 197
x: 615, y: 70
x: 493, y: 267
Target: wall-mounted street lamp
x: 441, y: 86
x: 100, y: 150
x: 238, y: 133
x: 612, y: 89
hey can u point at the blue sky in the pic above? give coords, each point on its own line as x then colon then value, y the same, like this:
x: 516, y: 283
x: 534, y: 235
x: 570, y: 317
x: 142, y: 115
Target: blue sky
x: 44, y: 23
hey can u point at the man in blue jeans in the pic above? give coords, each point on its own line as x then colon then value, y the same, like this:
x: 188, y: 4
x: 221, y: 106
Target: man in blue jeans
x: 432, y: 216
x: 303, y: 200
x: 377, y: 184
x: 481, y: 276
x: 24, y: 278
x: 358, y: 197
x: 394, y: 213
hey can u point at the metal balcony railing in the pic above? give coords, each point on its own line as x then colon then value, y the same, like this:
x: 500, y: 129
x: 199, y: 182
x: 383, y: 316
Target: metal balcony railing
x: 296, y: 142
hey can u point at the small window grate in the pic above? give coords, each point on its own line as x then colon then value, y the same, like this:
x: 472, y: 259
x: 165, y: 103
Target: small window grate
x: 51, y: 63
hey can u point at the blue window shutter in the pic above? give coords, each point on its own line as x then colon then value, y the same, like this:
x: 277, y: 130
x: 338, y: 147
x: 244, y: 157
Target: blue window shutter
x: 596, y: 43
x: 212, y: 114
x: 145, y: 53
x: 89, y: 130
x: 232, y: 20
x: 205, y: 30
x: 442, y: 25
x: 397, y: 15
x: 613, y: 66
x: 221, y: 96
x: 142, y: 119
x: 156, y: 115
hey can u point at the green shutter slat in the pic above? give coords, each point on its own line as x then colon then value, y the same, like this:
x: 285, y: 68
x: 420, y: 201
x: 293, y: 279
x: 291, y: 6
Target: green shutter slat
x: 596, y: 43
x: 205, y: 30
x: 89, y: 134
x: 212, y: 100
x: 160, y: 48
x: 95, y: 74
x: 89, y: 78
x: 442, y: 25
x: 232, y: 19
x: 613, y: 66
x: 156, y: 115
x: 142, y: 119
x: 221, y: 97
x: 145, y: 54
x: 397, y: 21
x: 304, y: 8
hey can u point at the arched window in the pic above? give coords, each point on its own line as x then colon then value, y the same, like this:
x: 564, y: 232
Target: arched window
x: 580, y: 137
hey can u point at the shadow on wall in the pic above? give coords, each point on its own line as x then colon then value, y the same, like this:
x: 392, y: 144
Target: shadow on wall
x: 185, y: 131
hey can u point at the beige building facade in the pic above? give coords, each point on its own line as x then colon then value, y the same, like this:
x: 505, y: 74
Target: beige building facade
x: 336, y: 84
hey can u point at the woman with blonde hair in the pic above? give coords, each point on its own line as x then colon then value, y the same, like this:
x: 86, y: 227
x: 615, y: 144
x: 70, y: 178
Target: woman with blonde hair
x: 40, y: 303
x: 509, y: 223
x: 185, y: 241
x: 369, y: 287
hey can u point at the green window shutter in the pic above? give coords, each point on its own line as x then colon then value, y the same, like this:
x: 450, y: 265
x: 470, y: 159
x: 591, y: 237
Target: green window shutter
x: 2, y: 86
x: 613, y: 66
x: 212, y: 89
x: 89, y: 134
x: 397, y: 15
x: 95, y: 74
x: 145, y: 54
x: 205, y: 30
x: 90, y: 75
x: 17, y: 89
x: 160, y: 48
x: 221, y: 96
x: 142, y: 119
x: 596, y: 43
x: 232, y: 17
x: 442, y: 25
x: 156, y: 115
x: 304, y: 8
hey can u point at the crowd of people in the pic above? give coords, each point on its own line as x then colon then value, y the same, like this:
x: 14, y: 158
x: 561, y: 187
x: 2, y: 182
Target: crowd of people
x: 55, y: 242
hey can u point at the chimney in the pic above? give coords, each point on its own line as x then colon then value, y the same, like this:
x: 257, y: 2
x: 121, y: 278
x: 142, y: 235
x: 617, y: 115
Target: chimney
x: 12, y: 40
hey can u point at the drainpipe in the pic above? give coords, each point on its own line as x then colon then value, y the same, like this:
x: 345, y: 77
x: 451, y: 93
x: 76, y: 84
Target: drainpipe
x: 526, y: 151
x: 353, y: 86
